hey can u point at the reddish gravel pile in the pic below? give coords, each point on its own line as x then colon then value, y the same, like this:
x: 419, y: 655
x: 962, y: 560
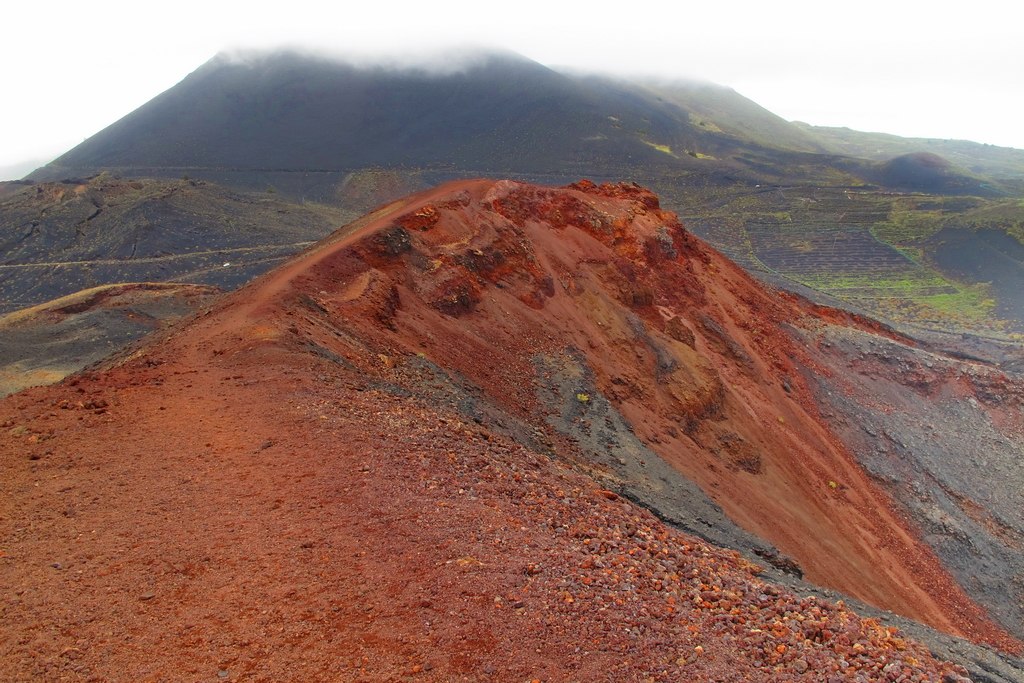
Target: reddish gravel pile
x: 255, y: 525
x: 260, y: 495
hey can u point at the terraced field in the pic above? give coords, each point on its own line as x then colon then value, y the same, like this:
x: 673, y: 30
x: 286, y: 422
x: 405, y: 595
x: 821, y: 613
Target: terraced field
x: 872, y: 250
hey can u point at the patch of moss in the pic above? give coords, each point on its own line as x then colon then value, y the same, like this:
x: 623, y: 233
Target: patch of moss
x: 664, y: 149
x: 705, y: 124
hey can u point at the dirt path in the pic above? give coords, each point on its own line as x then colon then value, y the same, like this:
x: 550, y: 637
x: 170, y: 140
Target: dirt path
x: 154, y: 259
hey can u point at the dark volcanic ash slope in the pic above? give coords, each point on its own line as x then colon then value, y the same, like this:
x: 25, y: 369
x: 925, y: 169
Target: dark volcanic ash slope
x: 946, y: 438
x: 43, y: 344
x: 303, y: 122
x: 370, y: 464
x: 288, y: 111
x: 990, y: 256
x: 59, y: 238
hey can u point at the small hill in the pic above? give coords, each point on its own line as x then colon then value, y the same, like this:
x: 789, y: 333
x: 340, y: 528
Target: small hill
x: 930, y: 173
x: 45, y: 343
x: 453, y: 421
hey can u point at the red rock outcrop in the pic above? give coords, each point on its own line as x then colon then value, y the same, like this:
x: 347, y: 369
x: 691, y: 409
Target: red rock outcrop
x: 282, y: 487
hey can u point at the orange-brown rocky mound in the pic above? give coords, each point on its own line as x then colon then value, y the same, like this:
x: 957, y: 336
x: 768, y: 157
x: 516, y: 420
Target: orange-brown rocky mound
x: 393, y: 458
x: 511, y: 286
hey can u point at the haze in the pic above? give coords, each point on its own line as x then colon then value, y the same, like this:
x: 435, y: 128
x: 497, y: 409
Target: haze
x: 910, y: 69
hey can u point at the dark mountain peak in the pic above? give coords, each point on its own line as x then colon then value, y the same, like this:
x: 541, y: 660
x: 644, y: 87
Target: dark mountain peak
x: 467, y: 110
x: 289, y: 110
x: 248, y: 114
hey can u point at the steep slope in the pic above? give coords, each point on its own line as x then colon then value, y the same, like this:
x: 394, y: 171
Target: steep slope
x: 944, y: 437
x: 59, y: 238
x: 387, y: 438
x: 719, y: 109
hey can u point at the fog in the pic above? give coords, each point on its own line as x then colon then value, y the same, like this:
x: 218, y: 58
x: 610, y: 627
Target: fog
x: 440, y: 61
x: 905, y: 68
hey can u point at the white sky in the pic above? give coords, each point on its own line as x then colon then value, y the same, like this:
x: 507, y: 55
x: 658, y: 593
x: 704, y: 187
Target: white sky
x: 922, y: 69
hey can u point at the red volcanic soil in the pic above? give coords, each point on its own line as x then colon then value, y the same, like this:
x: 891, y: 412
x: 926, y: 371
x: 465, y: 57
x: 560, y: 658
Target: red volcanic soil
x: 269, y: 492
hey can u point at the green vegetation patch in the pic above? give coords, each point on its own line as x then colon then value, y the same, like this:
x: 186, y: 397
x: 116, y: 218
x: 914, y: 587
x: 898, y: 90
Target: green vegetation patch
x: 916, y: 296
x: 664, y: 149
x: 704, y: 123
x: 908, y: 226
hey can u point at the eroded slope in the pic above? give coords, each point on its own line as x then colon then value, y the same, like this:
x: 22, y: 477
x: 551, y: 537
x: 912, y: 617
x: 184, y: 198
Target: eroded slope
x: 519, y: 289
x: 945, y: 438
x: 372, y: 460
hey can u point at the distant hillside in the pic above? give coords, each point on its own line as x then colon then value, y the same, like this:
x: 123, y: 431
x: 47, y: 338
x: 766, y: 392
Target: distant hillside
x: 715, y: 109
x: 58, y: 238
x: 1004, y: 163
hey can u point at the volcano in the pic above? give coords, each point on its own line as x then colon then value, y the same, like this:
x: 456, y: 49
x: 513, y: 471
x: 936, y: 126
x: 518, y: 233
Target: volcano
x: 304, y: 123
x: 491, y: 430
